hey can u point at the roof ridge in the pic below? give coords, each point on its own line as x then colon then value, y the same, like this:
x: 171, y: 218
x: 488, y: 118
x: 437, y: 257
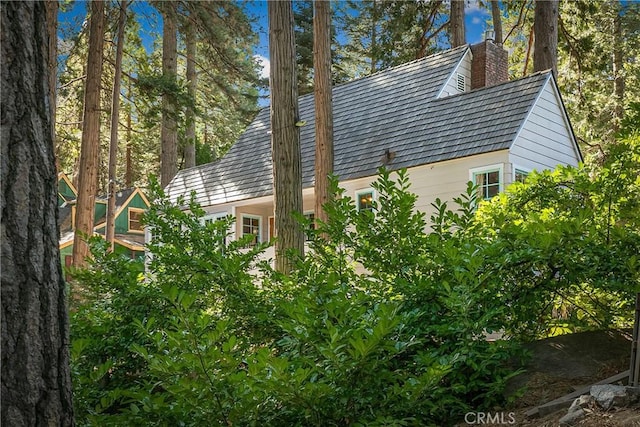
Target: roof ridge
x: 385, y: 70
x: 480, y: 89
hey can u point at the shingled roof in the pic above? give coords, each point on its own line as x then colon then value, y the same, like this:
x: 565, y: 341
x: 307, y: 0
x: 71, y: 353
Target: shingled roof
x: 396, y: 109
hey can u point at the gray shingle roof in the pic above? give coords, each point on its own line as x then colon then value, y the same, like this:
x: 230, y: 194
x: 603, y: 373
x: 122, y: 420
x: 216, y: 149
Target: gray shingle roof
x: 394, y: 109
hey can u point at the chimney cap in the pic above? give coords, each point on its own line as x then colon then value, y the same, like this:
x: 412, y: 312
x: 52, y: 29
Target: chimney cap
x: 490, y: 35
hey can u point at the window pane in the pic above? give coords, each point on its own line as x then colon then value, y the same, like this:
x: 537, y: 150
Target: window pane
x: 488, y: 183
x: 251, y: 226
x: 365, y: 201
x: 521, y: 176
x: 134, y: 220
x: 492, y: 190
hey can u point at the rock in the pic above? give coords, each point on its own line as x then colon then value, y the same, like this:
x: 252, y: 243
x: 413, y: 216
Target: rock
x: 583, y: 401
x: 633, y: 393
x: 573, y: 416
x: 608, y: 395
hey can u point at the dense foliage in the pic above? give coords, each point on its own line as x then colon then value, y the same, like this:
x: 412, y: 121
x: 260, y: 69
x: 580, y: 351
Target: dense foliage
x: 383, y: 323
x: 224, y: 102
x: 199, y: 338
x: 568, y: 241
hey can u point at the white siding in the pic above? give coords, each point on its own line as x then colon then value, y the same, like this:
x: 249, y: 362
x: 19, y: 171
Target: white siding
x: 447, y: 180
x: 444, y: 180
x: 463, y: 68
x: 545, y: 139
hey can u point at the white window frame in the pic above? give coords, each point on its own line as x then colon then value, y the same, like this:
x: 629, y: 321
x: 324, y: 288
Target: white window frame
x: 499, y: 167
x: 358, y: 193
x: 250, y: 216
x: 517, y: 168
x: 214, y: 216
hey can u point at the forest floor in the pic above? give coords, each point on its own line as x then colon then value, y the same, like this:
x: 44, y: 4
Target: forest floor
x: 562, y: 365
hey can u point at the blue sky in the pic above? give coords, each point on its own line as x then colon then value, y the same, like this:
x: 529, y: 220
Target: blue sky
x: 151, y: 23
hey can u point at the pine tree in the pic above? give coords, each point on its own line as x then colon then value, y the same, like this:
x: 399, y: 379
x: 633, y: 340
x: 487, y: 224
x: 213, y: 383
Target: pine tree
x: 456, y: 23
x: 192, y: 82
x: 285, y: 135
x: 545, y: 52
x: 115, y: 123
x: 88, y: 170
x: 496, y: 19
x: 36, y: 378
x: 384, y: 33
x: 169, y: 134
x: 323, y: 105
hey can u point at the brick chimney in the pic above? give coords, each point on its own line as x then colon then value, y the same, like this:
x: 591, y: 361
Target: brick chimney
x: 490, y: 64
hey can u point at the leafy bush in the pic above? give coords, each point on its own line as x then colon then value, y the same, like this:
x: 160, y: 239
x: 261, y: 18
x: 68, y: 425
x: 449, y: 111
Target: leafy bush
x: 566, y: 244
x: 382, y: 323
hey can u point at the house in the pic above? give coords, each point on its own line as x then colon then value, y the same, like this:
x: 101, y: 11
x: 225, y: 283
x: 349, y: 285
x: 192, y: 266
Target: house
x: 129, y: 233
x: 448, y: 118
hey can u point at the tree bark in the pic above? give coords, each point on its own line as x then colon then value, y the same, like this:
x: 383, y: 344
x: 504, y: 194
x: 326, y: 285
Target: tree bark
x: 323, y: 105
x: 52, y: 33
x: 285, y: 135
x: 496, y: 17
x: 190, y: 144
x: 457, y: 28
x: 545, y: 23
x: 115, y: 120
x: 128, y: 172
x: 90, y: 144
x: 374, y: 37
x: 169, y: 132
x: 36, y: 380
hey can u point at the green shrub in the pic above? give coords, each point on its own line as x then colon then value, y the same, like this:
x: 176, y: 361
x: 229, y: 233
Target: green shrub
x: 381, y: 323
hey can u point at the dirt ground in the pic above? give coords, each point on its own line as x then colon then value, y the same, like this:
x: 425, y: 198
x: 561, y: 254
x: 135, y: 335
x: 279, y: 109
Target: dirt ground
x: 564, y: 364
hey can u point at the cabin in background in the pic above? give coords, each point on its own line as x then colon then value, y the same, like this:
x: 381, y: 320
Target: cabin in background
x: 131, y: 203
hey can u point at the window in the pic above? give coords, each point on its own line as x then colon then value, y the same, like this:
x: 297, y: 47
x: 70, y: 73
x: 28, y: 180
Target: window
x: 520, y: 175
x: 311, y: 217
x: 251, y: 225
x: 488, y: 180
x: 364, y: 200
x: 212, y: 218
x: 460, y: 82
x: 135, y: 216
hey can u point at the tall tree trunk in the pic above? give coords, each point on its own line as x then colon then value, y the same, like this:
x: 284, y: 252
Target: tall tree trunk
x: 169, y: 132
x: 190, y: 144
x: 545, y: 23
x: 36, y: 379
x: 374, y: 36
x: 618, y: 77
x: 128, y: 172
x: 323, y: 105
x: 457, y: 28
x: 52, y: 33
x: 115, y: 120
x: 90, y: 144
x: 285, y: 135
x: 496, y: 17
